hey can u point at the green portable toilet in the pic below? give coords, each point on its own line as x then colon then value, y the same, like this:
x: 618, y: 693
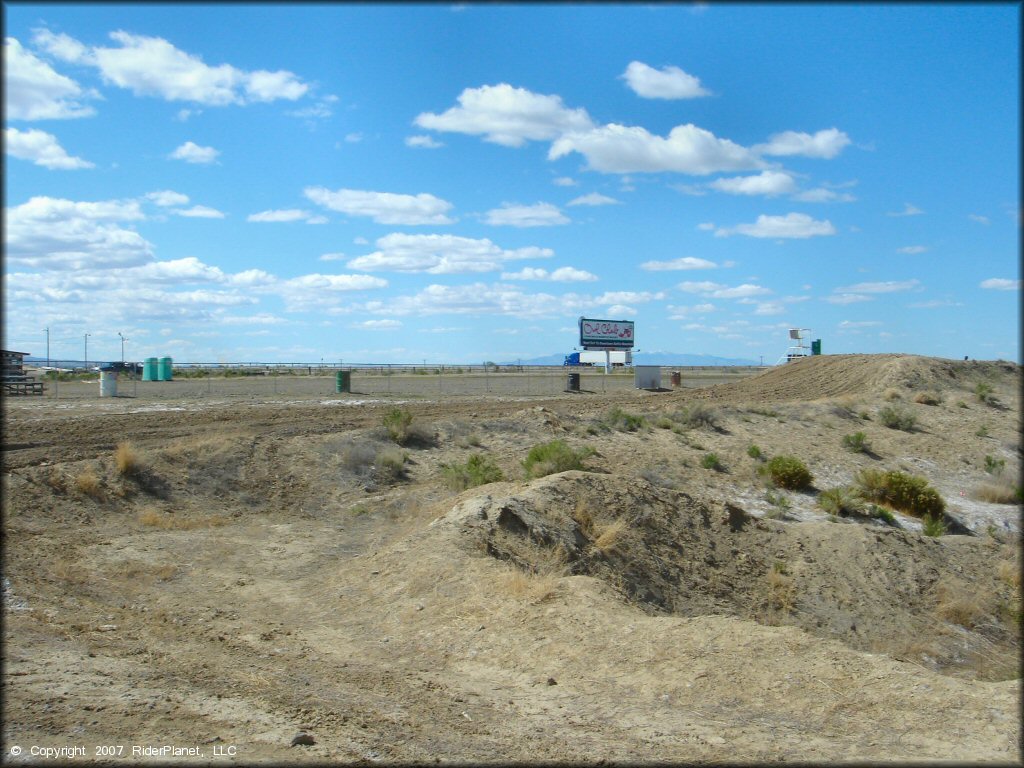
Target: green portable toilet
x: 344, y: 382
x: 166, y: 371
x: 151, y: 370
x: 816, y: 347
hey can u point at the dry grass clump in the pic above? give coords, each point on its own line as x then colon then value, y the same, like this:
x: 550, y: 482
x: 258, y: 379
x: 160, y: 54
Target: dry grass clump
x: 779, y: 592
x: 892, y: 394
x: 540, y: 582
x: 153, y: 518
x: 998, y: 490
x: 611, y: 535
x: 897, y: 418
x: 960, y: 604
x: 623, y: 421
x: 390, y: 463
x: 928, y: 398
x: 127, y: 460
x: 358, y: 458
x: 87, y: 484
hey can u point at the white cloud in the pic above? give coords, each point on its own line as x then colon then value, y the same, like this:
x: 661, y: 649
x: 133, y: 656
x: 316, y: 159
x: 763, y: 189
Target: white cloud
x: 667, y: 83
x: 560, y: 275
x: 565, y: 181
x: 823, y: 144
x: 478, y: 299
x: 912, y: 249
x: 191, y: 152
x: 847, y: 298
x: 792, y: 225
x: 200, y: 212
x: 687, y: 149
x: 682, y: 313
x: 58, y: 234
x: 333, y: 257
x: 378, y: 325
x: 891, y: 286
x: 593, y: 199
x: 290, y: 214
x: 423, y: 142
x: 317, y: 290
x: 719, y: 291
x: 40, y: 148
x: 506, y: 115
x: 1001, y: 284
x: 769, y: 308
x: 630, y: 297
x: 383, y: 207
x: 908, y: 210
x: 934, y: 304
x: 151, y: 66
x: 621, y: 310
x: 33, y: 90
x: 537, y: 215
x: 859, y: 324
x: 706, y: 226
x: 440, y: 254
x: 685, y: 262
x: 979, y: 219
x: 166, y: 198
x: 769, y: 183
x: 823, y: 195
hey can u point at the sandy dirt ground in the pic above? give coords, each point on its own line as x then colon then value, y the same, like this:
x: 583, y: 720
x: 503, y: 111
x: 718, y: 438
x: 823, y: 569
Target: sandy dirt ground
x: 269, y: 577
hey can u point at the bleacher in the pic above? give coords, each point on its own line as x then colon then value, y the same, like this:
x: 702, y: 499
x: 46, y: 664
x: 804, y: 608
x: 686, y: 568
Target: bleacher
x: 14, y: 378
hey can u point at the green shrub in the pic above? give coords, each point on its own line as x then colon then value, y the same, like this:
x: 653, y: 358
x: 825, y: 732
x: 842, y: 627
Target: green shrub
x: 555, y: 456
x: 933, y: 525
x: 994, y: 466
x: 787, y: 472
x: 698, y: 415
x: 843, y: 501
x: 897, y: 418
x: 983, y: 391
x: 396, y: 422
x: 478, y: 470
x: 901, y: 491
x: 663, y: 422
x: 982, y: 431
x: 755, y: 453
x: 711, y: 461
x: 616, y: 418
x: 856, y: 443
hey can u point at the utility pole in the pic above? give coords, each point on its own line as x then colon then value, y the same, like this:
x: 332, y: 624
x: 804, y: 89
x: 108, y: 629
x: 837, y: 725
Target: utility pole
x: 123, y: 340
x: 47, y: 329
x: 87, y: 352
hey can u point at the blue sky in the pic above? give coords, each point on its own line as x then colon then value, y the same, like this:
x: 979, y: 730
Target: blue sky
x: 460, y: 183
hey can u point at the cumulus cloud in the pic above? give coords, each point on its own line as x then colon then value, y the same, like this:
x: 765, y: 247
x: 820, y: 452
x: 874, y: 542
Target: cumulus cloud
x: 667, y: 83
x: 908, y: 210
x: 621, y: 310
x: 200, y: 212
x: 912, y: 249
x: 290, y: 214
x: 890, y: 286
x: 687, y: 149
x: 33, y: 90
x: 383, y: 207
x: 151, y: 66
x: 718, y: 291
x: 57, y: 234
x: 477, y: 299
x: 593, y: 199
x: 317, y: 290
x: 685, y: 262
x: 440, y: 254
x: 537, y: 215
x: 423, y: 142
x: 560, y: 275
x: 506, y: 115
x: 824, y: 195
x: 683, y: 313
x: 629, y: 297
x: 847, y: 298
x: 166, y: 198
x: 378, y: 325
x: 1001, y: 284
x: 823, y: 144
x: 792, y: 225
x: 191, y: 152
x: 42, y: 149
x: 768, y: 183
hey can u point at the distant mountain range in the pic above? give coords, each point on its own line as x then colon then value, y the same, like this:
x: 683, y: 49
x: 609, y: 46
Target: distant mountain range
x: 648, y: 358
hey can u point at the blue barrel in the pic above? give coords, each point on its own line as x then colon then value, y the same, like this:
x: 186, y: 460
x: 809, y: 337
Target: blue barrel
x: 151, y: 370
x: 166, y: 371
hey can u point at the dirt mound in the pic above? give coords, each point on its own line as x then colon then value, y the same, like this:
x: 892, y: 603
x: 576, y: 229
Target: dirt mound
x: 874, y: 589
x: 824, y: 376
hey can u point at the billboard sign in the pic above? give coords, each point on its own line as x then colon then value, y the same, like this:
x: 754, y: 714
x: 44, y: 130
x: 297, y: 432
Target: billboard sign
x: 606, y: 334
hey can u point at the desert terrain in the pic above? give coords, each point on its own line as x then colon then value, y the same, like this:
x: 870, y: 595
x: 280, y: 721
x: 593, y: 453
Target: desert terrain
x: 272, y: 576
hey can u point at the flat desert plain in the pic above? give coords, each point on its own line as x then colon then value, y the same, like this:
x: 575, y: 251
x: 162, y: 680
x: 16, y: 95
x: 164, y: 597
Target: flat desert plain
x: 559, y: 577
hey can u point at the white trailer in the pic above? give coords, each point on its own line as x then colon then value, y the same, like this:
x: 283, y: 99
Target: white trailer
x: 614, y: 357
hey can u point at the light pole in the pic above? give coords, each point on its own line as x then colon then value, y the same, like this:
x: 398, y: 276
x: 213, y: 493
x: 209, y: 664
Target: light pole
x: 123, y: 340
x: 87, y: 351
x: 47, y: 346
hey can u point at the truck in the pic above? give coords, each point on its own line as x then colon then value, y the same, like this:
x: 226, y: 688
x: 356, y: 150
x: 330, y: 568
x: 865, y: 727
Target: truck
x: 617, y: 358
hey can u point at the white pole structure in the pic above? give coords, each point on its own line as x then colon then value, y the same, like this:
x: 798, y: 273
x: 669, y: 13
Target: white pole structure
x: 607, y: 361
x: 87, y: 352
